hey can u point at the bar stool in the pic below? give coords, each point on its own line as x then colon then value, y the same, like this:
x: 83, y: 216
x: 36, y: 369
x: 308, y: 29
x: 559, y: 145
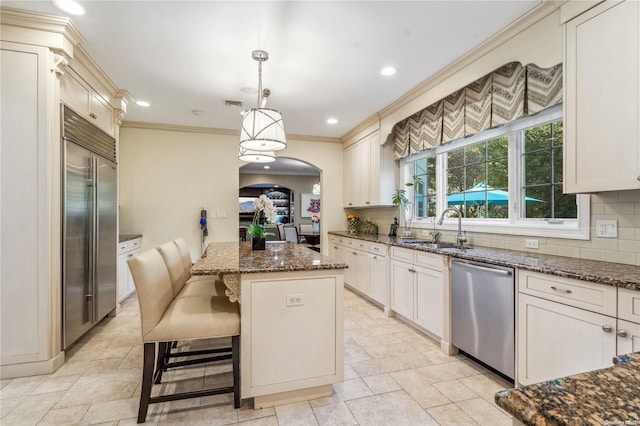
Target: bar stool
x: 166, y: 318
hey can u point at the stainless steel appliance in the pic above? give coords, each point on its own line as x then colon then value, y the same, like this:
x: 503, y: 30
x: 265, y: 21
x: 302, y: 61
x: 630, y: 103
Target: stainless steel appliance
x: 89, y: 226
x: 483, y: 313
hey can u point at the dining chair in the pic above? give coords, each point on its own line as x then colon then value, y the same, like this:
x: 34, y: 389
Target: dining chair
x: 291, y: 234
x: 281, y: 235
x: 306, y: 228
x: 166, y: 318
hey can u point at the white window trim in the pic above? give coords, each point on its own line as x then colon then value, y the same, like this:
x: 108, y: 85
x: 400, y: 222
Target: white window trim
x: 578, y: 229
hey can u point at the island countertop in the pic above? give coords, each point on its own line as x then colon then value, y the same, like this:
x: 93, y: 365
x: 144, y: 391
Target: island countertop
x: 281, y: 256
x: 606, y: 396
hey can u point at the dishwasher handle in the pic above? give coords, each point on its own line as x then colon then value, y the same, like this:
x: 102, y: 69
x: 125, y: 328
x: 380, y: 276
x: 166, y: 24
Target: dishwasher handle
x: 485, y: 268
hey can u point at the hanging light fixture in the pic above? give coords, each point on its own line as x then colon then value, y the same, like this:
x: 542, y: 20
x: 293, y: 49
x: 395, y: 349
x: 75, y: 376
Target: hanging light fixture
x: 256, y: 156
x: 262, y: 128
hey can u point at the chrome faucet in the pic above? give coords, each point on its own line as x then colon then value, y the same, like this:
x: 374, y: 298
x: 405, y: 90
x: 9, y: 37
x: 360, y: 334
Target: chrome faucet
x: 460, y: 239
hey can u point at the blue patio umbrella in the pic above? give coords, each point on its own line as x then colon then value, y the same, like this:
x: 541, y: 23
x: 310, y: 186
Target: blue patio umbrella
x: 481, y: 193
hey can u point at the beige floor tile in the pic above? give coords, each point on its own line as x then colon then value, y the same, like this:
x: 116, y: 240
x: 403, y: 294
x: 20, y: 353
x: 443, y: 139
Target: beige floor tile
x: 451, y: 414
x: 299, y: 413
x: 344, y: 391
x: 262, y: 421
x: 55, y: 384
x: 436, y: 356
x: 455, y: 390
x: 64, y: 416
x: 103, y: 412
x: 354, y: 353
x: 383, y: 351
x: 395, y: 408
x: 349, y: 372
x: 334, y: 415
x: 378, y: 366
x: 134, y: 422
x: 76, y: 368
x: 209, y: 415
x: 247, y: 412
x: 381, y: 383
x: 22, y: 386
x: 484, y: 413
x: 8, y: 404
x: 420, y: 389
x: 448, y: 371
x: 95, y: 388
x: 4, y: 382
x: 486, y: 386
x: 32, y: 409
x: 384, y: 339
x: 414, y: 359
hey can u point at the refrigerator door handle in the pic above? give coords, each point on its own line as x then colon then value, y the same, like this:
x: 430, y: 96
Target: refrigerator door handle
x: 92, y: 238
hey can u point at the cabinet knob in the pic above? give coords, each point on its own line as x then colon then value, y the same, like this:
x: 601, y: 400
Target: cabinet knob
x: 638, y: 177
x: 606, y: 328
x: 92, y: 115
x: 621, y: 333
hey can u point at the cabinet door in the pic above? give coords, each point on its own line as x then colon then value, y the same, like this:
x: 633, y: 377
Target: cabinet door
x: 102, y: 114
x: 349, y: 257
x: 351, y: 170
x: 123, y: 276
x: 131, y: 285
x: 75, y: 93
x: 378, y: 278
x: 429, y: 303
x: 556, y: 340
x: 362, y: 271
x: 402, y: 279
x: 628, y: 337
x: 602, y: 93
x: 336, y: 252
x: 364, y: 177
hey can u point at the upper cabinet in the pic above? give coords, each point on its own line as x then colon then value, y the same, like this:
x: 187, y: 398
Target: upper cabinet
x: 602, y: 98
x: 369, y: 173
x: 77, y: 94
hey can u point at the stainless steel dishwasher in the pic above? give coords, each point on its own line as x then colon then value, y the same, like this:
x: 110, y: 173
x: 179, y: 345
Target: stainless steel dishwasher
x: 483, y: 313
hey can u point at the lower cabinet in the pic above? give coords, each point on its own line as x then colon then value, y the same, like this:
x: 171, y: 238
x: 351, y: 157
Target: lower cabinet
x: 126, y: 250
x: 418, y: 284
x: 379, y: 278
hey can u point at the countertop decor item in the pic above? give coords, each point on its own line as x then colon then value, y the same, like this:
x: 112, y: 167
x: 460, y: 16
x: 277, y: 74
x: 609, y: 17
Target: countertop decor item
x: 353, y: 223
x: 262, y: 205
x: 400, y: 199
x: 315, y: 224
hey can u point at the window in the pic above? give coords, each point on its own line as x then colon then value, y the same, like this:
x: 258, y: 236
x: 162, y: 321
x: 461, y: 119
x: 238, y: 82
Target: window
x: 504, y: 180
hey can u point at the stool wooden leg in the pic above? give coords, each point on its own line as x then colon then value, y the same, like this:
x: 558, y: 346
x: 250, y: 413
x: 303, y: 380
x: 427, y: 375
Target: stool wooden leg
x: 163, y: 350
x: 235, y: 347
x: 147, y: 380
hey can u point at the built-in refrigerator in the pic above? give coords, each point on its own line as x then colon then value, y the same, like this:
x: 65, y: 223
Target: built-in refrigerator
x: 89, y: 226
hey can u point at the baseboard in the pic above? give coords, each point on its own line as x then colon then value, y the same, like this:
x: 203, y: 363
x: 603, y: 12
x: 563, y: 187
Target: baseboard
x: 37, y: 368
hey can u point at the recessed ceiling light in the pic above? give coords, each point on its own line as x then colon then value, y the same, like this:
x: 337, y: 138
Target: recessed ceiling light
x: 69, y: 6
x: 143, y: 103
x: 267, y: 167
x: 332, y: 121
x: 387, y: 71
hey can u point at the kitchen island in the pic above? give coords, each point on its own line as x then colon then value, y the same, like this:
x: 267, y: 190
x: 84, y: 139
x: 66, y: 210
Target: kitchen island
x: 291, y: 318
x: 609, y: 396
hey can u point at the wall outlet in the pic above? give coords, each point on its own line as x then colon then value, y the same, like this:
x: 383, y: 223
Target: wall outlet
x: 425, y: 233
x: 295, y: 299
x: 607, y: 228
x: 531, y: 243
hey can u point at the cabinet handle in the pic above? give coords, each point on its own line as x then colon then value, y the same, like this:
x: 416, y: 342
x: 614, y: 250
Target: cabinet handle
x: 606, y: 328
x: 638, y: 177
x: 375, y: 257
x: 130, y: 255
x: 412, y: 270
x: 92, y: 115
x: 354, y: 253
x: 621, y: 333
x: 563, y: 290
x: 367, y: 202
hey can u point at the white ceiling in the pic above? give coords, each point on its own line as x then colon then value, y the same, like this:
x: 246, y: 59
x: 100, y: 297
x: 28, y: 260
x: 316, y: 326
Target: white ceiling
x: 325, y: 56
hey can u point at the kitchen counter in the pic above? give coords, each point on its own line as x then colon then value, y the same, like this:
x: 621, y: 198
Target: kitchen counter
x: 282, y: 256
x: 609, y: 273
x: 128, y: 237
x: 607, y: 396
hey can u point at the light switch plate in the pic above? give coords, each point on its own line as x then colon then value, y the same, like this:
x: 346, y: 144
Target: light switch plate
x: 607, y: 228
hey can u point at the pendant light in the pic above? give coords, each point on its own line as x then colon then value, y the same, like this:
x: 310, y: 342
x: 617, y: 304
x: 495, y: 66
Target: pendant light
x: 256, y: 156
x: 262, y: 128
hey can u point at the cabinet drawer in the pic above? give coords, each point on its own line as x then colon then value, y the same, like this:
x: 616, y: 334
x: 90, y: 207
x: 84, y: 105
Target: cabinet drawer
x: 135, y: 243
x: 428, y: 259
x: 122, y: 247
x: 581, y: 294
x: 356, y: 244
x: 376, y: 248
x: 629, y: 305
x: 334, y: 239
x: 405, y: 255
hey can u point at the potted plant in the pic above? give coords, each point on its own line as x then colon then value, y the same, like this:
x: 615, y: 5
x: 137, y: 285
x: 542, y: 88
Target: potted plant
x: 257, y: 232
x: 353, y: 221
x: 315, y: 224
x: 399, y: 198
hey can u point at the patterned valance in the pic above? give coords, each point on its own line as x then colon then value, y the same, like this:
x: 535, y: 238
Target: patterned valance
x: 510, y: 92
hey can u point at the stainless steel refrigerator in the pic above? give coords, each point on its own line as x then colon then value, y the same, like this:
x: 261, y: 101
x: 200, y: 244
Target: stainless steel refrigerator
x: 89, y: 226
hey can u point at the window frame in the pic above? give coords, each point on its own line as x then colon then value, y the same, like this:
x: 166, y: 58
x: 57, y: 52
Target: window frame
x: 516, y: 224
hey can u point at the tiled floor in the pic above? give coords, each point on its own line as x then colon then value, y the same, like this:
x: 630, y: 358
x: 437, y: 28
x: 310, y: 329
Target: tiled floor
x: 393, y: 376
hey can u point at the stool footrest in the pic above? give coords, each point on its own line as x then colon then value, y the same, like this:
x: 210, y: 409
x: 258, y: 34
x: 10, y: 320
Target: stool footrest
x: 200, y: 352
x: 186, y: 395
x: 195, y: 361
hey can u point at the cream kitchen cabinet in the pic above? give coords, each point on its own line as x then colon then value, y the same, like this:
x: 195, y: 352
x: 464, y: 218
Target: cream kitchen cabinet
x: 418, y: 287
x: 602, y: 98
x: 378, y: 265
x: 628, y: 330
x: 126, y: 250
x: 565, y: 327
x: 369, y: 173
x: 77, y: 94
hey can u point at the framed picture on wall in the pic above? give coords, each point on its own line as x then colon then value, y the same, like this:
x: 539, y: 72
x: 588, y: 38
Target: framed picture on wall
x: 309, y: 205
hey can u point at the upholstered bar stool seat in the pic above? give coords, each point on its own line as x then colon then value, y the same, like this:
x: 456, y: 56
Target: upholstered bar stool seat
x: 201, y: 284
x: 166, y: 318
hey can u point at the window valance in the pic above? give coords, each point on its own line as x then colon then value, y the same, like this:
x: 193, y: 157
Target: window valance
x: 510, y: 92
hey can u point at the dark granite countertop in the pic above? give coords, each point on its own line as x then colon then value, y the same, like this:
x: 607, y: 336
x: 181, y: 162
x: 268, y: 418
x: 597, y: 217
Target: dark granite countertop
x: 279, y: 256
x: 128, y: 237
x: 610, y: 396
x: 615, y: 274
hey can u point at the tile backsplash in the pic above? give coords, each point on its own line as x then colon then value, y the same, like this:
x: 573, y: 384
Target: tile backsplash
x: 621, y: 206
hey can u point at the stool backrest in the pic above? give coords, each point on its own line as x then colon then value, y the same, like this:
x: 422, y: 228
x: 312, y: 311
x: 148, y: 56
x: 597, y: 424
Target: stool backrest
x: 184, y: 251
x: 291, y: 234
x: 173, y: 259
x: 153, y: 285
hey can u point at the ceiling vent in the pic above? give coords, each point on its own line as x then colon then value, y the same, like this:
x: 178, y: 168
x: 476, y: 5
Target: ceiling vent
x: 232, y: 104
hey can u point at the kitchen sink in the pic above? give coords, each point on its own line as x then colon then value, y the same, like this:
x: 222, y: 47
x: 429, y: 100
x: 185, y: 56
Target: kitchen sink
x: 426, y: 244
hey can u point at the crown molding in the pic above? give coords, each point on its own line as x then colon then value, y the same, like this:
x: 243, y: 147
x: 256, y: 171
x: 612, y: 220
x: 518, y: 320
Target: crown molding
x: 363, y: 129
x: 216, y: 131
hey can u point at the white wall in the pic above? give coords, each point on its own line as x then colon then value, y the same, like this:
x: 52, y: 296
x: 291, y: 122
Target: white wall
x: 167, y: 176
